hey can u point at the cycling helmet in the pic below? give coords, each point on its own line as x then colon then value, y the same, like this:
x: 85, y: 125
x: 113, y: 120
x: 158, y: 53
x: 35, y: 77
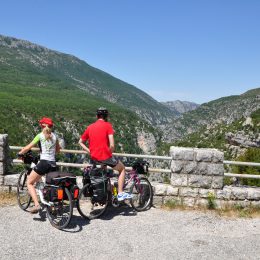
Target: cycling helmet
x: 102, y: 112
x: 45, y: 121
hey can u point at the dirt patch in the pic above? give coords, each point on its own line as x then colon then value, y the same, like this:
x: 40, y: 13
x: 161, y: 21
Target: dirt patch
x: 7, y: 199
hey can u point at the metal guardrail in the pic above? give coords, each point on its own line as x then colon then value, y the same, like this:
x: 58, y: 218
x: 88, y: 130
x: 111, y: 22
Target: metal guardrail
x: 78, y: 165
x: 242, y: 163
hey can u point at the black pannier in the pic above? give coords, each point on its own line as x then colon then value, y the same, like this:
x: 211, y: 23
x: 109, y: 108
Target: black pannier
x: 98, y: 179
x: 55, y: 178
x: 53, y: 193
x: 86, y: 175
x: 140, y: 166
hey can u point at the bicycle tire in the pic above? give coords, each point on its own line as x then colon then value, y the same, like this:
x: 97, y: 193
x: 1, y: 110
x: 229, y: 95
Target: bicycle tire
x: 60, y: 213
x: 23, y: 197
x: 85, y: 205
x: 142, y: 194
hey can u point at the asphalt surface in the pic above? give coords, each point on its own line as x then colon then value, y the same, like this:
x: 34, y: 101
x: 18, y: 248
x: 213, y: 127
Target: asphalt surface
x: 124, y: 234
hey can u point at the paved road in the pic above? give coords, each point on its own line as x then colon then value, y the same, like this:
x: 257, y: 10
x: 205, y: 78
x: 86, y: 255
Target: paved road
x: 123, y: 234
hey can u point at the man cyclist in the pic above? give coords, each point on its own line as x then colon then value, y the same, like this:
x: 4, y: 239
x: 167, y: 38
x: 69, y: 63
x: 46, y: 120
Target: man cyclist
x: 100, y: 137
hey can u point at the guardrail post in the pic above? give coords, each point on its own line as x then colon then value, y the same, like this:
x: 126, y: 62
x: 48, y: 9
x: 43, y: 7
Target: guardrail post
x: 197, y: 168
x: 4, y: 148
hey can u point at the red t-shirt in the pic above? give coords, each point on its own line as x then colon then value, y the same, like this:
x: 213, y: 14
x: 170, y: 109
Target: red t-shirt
x: 97, y: 136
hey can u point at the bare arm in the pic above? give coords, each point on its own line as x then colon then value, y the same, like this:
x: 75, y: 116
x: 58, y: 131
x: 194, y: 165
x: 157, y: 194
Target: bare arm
x: 84, y: 147
x: 27, y: 148
x: 111, y: 143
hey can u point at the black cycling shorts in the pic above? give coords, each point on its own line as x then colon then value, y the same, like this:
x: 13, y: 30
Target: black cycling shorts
x: 112, y: 162
x: 44, y: 166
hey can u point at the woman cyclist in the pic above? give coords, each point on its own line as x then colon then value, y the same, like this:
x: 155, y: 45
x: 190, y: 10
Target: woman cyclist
x: 49, y: 145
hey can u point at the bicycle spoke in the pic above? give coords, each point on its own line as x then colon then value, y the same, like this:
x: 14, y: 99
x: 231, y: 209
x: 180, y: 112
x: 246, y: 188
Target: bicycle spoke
x: 61, y: 212
x: 142, y: 195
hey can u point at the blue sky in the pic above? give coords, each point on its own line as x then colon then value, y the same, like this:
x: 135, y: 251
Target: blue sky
x: 194, y: 50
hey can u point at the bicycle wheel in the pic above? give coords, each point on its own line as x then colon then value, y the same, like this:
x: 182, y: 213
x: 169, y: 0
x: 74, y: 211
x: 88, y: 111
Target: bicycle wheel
x: 23, y: 197
x: 86, y: 205
x: 142, y: 194
x: 60, y: 213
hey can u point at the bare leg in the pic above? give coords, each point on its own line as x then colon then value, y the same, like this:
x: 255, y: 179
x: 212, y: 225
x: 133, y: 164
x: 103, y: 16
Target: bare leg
x: 121, y: 179
x: 32, y: 179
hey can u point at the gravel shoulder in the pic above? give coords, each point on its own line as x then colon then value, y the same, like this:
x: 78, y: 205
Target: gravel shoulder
x: 125, y: 234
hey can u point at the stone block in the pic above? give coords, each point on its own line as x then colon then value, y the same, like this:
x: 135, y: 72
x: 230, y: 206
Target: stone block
x: 217, y: 156
x: 3, y: 139
x: 177, y: 166
x: 188, y: 192
x: 179, y: 180
x: 224, y: 194
x: 242, y: 203
x: 238, y: 193
x: 189, y: 167
x: 182, y: 153
x: 1, y: 180
x: 199, y: 181
x: 176, y: 200
x: 215, y: 169
x: 202, y: 168
x: 201, y: 203
x: 172, y: 191
x: 253, y: 193
x: 203, y: 193
x: 221, y: 204
x: 203, y: 155
x: 2, y: 154
x: 157, y: 201
x: 255, y: 204
x: 217, y: 182
x: 11, y: 180
x: 190, y: 202
x: 2, y: 168
x: 160, y: 189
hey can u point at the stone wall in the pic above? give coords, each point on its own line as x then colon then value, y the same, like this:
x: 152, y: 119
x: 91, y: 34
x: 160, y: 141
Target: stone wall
x: 197, y: 175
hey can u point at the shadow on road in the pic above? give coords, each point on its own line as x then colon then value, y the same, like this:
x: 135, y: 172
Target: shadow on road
x: 123, y: 210
x: 78, y: 222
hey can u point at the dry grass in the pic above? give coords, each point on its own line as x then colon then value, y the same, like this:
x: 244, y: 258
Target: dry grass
x: 230, y: 212
x: 7, y: 199
x: 239, y: 212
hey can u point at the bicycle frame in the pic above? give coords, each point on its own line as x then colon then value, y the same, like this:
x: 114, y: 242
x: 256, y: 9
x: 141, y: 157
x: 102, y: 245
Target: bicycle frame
x: 133, y: 177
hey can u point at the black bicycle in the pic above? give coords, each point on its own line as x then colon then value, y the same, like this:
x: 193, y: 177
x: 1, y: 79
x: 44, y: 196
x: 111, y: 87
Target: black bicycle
x: 98, y: 191
x: 57, y: 194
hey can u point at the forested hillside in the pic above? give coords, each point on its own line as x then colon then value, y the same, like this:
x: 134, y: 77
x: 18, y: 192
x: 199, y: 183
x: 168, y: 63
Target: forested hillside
x: 23, y: 62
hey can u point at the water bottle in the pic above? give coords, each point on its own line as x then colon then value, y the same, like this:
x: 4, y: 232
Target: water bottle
x: 114, y: 191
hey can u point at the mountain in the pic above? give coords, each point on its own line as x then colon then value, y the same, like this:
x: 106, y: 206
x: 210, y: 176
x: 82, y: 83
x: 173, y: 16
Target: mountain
x: 21, y: 58
x: 36, y: 82
x: 225, y: 110
x: 179, y: 107
x: 222, y: 123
